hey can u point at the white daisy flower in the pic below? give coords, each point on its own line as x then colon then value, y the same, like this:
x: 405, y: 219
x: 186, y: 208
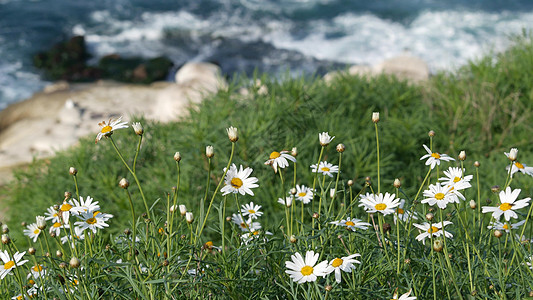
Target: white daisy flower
x: 102, y: 215
x: 84, y: 205
x: 342, y: 264
x: 325, y: 139
x: 403, y: 297
x: 238, y: 181
x: 109, y: 127
x: 440, y: 195
x: 249, y: 236
x: 287, y: 201
x: 512, y: 154
x: 505, y: 226
x: 529, y: 261
x: 65, y: 210
x: 78, y: 235
x: 248, y: 226
x: 10, y: 263
x: 56, y: 228
x: 508, y: 205
x: 36, y: 272
x: 251, y: 210
x: 384, y: 204
x: 32, y: 231
x: 304, y: 194
x: 52, y: 214
x: 434, y: 229
x: 325, y: 168
x: 434, y: 158
x: 519, y: 167
x: 302, y: 271
x: 279, y: 159
x: 403, y: 215
x: 91, y: 220
x: 352, y: 224
x: 454, y: 177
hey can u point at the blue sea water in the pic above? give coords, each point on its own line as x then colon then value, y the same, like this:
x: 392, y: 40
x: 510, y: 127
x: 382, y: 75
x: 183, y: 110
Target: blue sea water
x: 305, y: 36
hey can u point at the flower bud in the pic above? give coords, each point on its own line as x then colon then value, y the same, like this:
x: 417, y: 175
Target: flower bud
x: 293, y: 239
x: 462, y: 155
x: 513, y: 154
x: 23, y: 224
x: 386, y: 227
x: 328, y: 288
x: 173, y: 208
x: 72, y: 171
x: 166, y: 263
x: 5, y: 229
x: 74, y: 262
x: 429, y: 216
x: 368, y: 181
x: 340, y: 148
x: 293, y: 191
x: 31, y: 251
x: 431, y: 133
x: 397, y: 184
x: 5, y: 239
x: 124, y: 183
x: 183, y: 210
x: 209, y: 151
x: 59, y: 253
x: 438, y: 245
x: 498, y: 233
x: 476, y: 164
x: 495, y: 188
x: 407, y: 261
x: 67, y: 195
x: 189, y: 217
x: 315, y: 215
x: 350, y: 182
x: 294, y: 151
x: 332, y: 193
x: 232, y: 134
x: 62, y: 265
x: 138, y: 128
x: 375, y: 117
x: 127, y: 231
x: 177, y: 156
x: 472, y: 204
x: 41, y: 222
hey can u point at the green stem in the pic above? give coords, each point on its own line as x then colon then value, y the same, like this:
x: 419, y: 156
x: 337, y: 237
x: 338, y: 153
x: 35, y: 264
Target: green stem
x: 377, y: 147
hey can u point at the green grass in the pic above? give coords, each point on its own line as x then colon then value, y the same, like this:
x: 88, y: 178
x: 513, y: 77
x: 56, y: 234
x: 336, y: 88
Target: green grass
x: 483, y: 108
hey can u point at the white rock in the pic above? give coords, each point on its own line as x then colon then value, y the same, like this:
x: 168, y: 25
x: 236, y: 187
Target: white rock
x: 404, y: 66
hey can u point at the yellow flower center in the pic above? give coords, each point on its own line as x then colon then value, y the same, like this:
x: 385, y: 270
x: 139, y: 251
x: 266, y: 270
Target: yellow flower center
x: 336, y: 262
x: 236, y: 182
x: 209, y: 244
x: 56, y: 225
x: 31, y: 282
x: 106, y: 129
x: 380, y: 206
x: 91, y: 221
x: 306, y: 270
x: 400, y: 211
x: 435, y: 155
x: 519, y: 165
x: 244, y: 225
x: 10, y: 264
x: 506, y: 226
x: 439, y: 196
x: 251, y: 211
x: 65, y: 207
x: 433, y: 229
x: 456, y: 179
x: 505, y: 206
x: 95, y: 213
x: 275, y: 155
x: 349, y: 223
x: 19, y: 297
x: 255, y: 232
x: 302, y: 194
x: 37, y: 268
x: 36, y: 231
x: 325, y: 169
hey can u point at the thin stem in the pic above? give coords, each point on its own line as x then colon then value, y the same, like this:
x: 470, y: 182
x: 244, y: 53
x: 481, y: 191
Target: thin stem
x: 377, y: 147
x: 137, y: 152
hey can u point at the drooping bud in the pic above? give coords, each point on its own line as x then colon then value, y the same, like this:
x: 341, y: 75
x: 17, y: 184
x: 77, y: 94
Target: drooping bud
x: 332, y: 193
x: 177, y: 156
x: 173, y: 208
x: 67, y: 195
x: 293, y: 239
x: 462, y: 155
x: 124, y: 183
x: 5, y: 239
x: 41, y: 222
x: 513, y: 154
x: 5, y: 229
x: 189, y: 217
x: 183, y: 209
x: 294, y: 151
x: 397, y: 183
x: 138, y: 128
x: 232, y: 134
x: 209, y: 151
x: 340, y: 148
x: 293, y: 191
x: 498, y: 233
x: 72, y: 171
x: 473, y: 204
x: 375, y: 117
x: 31, y: 251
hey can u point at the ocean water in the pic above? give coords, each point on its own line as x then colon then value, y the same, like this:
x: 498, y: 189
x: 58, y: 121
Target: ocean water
x: 303, y: 36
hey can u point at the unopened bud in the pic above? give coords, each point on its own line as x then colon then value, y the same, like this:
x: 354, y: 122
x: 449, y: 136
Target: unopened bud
x: 189, y: 217
x: 513, y: 154
x: 5, y: 239
x: 138, y: 128
x: 177, y: 156
x: 332, y: 193
x: 293, y: 239
x: 431, y: 133
x: 127, y: 231
x: 386, y: 227
x: 495, y: 188
x: 173, y: 208
x: 498, y: 233
x: 31, y: 251
x: 340, y: 148
x: 47, y: 254
x: 59, y: 253
x: 368, y: 181
x: 293, y: 191
x: 315, y: 215
x: 23, y: 224
x: 407, y: 261
x: 429, y: 216
x: 294, y: 151
x: 209, y: 151
x: 473, y: 204
x: 5, y: 229
x: 74, y: 262
x: 489, y: 201
x: 63, y: 265
x: 438, y: 245
x: 477, y: 164
x: 228, y: 219
x: 53, y: 234
x: 41, y: 222
x: 232, y: 134
x: 124, y: 183
x: 328, y: 288
x: 166, y: 263
x: 350, y: 182
x: 462, y: 155
x: 397, y: 184
x: 72, y: 171
x: 183, y: 209
x: 375, y: 117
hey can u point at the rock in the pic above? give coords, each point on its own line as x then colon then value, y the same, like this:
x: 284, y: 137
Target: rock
x: 56, y: 86
x: 204, y: 76
x: 404, y: 66
x: 134, y: 69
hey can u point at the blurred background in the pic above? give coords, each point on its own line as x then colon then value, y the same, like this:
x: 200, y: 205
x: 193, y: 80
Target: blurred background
x: 276, y: 36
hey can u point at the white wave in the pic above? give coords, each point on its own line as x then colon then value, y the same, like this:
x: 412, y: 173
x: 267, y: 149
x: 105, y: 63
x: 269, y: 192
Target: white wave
x: 17, y: 83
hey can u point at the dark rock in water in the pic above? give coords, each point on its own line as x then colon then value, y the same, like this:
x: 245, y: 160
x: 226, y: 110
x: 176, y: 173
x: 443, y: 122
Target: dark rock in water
x: 68, y: 61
